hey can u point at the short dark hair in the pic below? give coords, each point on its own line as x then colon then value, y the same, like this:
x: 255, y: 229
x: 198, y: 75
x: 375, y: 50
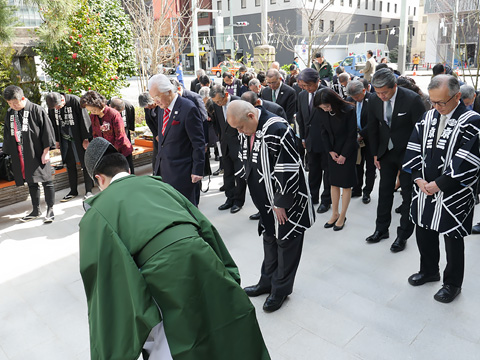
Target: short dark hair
x: 308, y: 75
x: 117, y: 104
x: 250, y: 97
x: 204, y: 80
x: 227, y: 74
x: 339, y: 70
x: 53, y: 99
x: 242, y: 68
x: 112, y: 164
x: 13, y: 92
x: 438, y: 69
x: 381, y: 66
x: 318, y: 54
x: 292, y: 67
x: 364, y: 82
x: 94, y: 99
x: 217, y: 90
x: 261, y: 76
x: 370, y: 52
x: 246, y: 78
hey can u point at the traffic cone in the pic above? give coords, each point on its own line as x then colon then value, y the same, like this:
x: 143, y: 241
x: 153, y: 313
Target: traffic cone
x: 458, y: 74
x: 414, y: 72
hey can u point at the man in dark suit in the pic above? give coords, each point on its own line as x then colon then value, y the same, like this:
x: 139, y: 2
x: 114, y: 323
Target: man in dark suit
x: 204, y: 81
x: 253, y: 99
x: 193, y: 84
x: 360, y: 96
x: 309, y: 119
x: 151, y: 118
x: 392, y: 114
x: 235, y: 187
x: 470, y: 97
x: 181, y: 142
x: 280, y: 93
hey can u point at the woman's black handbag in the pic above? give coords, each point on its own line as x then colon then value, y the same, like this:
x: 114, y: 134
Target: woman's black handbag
x: 6, y: 172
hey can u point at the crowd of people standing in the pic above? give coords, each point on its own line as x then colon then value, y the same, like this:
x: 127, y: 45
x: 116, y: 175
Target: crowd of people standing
x: 281, y: 136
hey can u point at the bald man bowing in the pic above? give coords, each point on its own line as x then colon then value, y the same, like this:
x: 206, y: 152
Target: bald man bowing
x: 277, y: 182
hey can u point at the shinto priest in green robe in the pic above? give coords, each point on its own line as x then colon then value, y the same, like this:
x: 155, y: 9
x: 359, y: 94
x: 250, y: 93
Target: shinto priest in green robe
x: 149, y: 257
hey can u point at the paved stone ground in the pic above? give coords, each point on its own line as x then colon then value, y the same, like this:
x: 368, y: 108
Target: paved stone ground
x: 351, y: 300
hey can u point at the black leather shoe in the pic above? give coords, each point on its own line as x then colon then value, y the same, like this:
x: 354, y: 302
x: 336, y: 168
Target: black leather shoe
x: 476, y: 229
x: 235, y: 209
x: 398, y: 210
x: 255, y: 216
x: 222, y: 188
x: 447, y: 293
x: 217, y: 172
x: 256, y: 290
x: 398, y: 245
x: 366, y: 198
x: 338, y: 228
x: 421, y: 278
x: 323, y: 208
x: 274, y: 302
x: 225, y: 206
x: 377, y: 236
x: 329, y: 225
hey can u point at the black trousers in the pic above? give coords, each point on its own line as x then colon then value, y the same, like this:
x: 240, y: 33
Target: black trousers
x: 367, y: 167
x: 280, y: 263
x: 71, y: 165
x: 235, y: 187
x: 130, y: 163
x: 429, y: 247
x: 390, y: 164
x: 318, y: 170
x: 48, y: 190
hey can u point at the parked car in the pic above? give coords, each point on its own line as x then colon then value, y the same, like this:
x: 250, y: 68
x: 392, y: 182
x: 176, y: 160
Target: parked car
x: 353, y: 64
x: 225, y: 66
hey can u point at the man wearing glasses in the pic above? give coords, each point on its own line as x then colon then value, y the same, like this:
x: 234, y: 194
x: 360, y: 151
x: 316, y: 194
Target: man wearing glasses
x: 280, y: 93
x: 392, y: 114
x: 444, y: 160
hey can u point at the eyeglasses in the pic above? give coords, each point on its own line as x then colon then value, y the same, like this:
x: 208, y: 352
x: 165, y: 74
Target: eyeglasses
x: 441, y: 103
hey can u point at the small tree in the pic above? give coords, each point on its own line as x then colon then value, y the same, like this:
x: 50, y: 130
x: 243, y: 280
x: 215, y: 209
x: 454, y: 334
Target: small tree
x: 94, y: 52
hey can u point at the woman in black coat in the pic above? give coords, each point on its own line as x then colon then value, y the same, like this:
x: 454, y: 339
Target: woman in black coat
x: 339, y: 136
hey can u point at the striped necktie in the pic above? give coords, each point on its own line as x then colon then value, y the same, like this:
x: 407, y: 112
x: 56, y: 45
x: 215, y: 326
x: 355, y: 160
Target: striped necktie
x: 166, y: 116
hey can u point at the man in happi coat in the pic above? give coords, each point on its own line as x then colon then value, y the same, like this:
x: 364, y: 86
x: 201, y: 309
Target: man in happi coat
x: 28, y: 138
x: 73, y: 130
x: 160, y: 282
x: 279, y: 190
x: 443, y: 157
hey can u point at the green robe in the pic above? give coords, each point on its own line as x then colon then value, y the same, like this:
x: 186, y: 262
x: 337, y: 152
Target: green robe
x: 194, y: 280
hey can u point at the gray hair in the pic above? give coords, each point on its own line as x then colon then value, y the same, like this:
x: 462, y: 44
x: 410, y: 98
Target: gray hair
x: 449, y: 81
x: 384, y: 77
x: 468, y: 92
x: 13, y: 92
x: 117, y: 104
x: 343, y: 77
x: 204, y: 92
x: 217, y: 90
x: 355, y: 87
x: 273, y: 73
x: 282, y: 73
x: 200, y: 72
x: 145, y: 99
x: 254, y: 82
x: 53, y: 99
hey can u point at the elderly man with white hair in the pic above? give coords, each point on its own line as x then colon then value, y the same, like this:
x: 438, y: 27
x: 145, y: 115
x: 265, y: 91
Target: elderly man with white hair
x: 181, y: 140
x: 470, y: 98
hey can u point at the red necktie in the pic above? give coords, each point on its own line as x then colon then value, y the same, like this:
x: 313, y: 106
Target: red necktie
x: 166, y: 116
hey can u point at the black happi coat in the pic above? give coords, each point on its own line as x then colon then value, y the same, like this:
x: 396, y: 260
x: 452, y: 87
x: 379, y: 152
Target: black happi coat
x: 79, y: 121
x: 275, y: 177
x: 453, y: 163
x: 37, y: 134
